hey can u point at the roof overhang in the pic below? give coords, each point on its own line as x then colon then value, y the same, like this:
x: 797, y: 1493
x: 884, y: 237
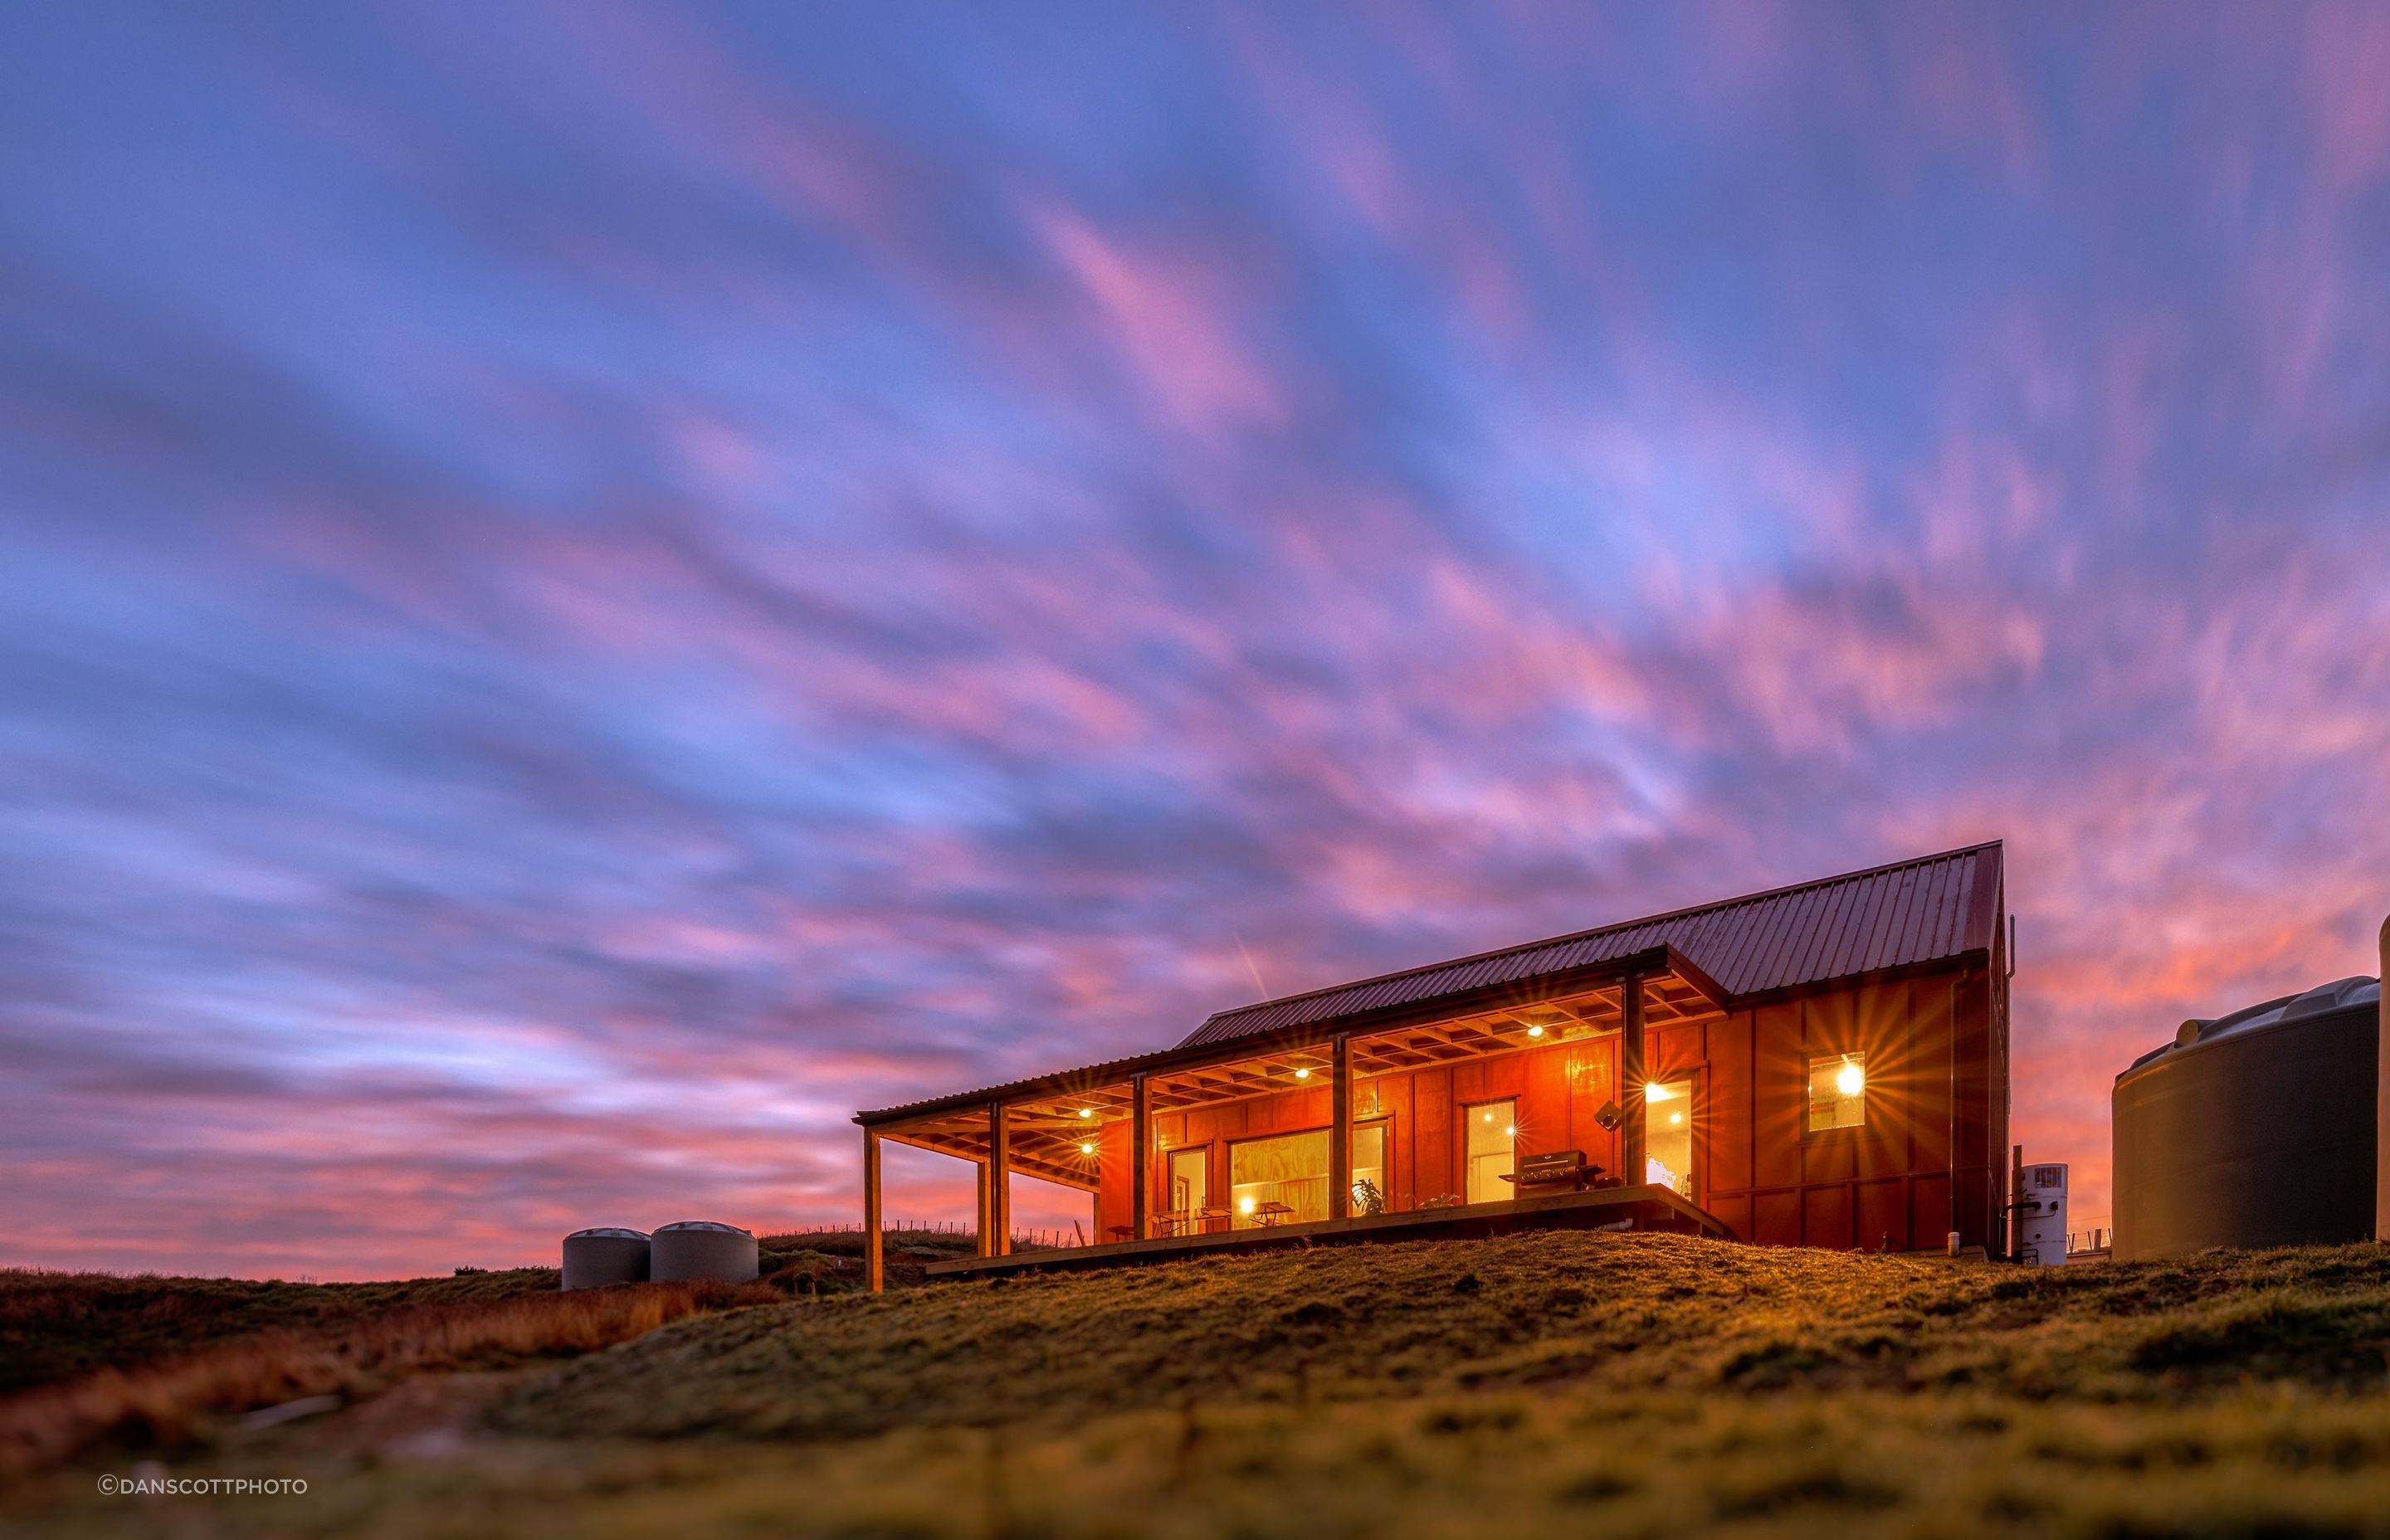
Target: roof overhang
x: 1682, y: 989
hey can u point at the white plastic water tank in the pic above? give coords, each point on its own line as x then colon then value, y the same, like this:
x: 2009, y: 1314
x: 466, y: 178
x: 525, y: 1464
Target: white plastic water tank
x: 702, y: 1249
x: 2041, y: 1216
x: 606, y: 1254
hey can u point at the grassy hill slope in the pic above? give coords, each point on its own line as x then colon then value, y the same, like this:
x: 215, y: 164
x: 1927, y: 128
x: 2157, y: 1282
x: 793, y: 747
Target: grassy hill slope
x: 60, y: 1326
x: 1561, y: 1310
x: 1626, y: 1385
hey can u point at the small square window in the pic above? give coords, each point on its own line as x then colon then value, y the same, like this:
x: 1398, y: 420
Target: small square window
x: 1837, y: 1092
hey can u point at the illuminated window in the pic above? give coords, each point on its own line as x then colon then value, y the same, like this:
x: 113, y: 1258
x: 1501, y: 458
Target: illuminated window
x: 1837, y: 1092
x: 1668, y: 1135
x: 1492, y: 1134
x: 1282, y: 1180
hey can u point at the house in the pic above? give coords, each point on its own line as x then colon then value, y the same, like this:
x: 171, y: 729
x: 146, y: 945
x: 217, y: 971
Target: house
x: 1825, y: 1064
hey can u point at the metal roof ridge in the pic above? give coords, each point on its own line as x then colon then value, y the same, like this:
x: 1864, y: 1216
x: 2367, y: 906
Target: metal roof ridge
x: 1713, y: 907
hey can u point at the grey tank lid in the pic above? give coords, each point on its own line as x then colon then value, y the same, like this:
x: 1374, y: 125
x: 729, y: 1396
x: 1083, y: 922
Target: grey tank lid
x: 607, y: 1232
x: 2339, y: 995
x: 702, y: 1225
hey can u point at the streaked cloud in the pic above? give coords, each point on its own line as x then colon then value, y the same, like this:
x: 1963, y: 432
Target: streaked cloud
x: 591, y: 589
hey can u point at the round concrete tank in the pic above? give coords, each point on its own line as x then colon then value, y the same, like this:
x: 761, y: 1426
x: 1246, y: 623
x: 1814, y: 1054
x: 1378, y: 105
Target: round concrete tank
x: 2254, y: 1129
x: 595, y: 1258
x: 701, y: 1249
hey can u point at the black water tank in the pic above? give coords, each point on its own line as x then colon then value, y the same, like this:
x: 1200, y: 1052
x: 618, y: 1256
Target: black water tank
x: 2255, y: 1129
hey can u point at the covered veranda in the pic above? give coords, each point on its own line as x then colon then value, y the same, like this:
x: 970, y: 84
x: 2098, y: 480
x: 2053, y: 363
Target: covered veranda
x: 1095, y: 1129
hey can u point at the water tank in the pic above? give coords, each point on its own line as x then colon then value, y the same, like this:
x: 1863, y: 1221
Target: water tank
x: 595, y: 1258
x: 2253, y: 1129
x: 2382, y: 1103
x: 701, y: 1249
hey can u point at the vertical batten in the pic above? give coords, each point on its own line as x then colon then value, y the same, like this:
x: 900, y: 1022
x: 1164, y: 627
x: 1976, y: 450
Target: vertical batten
x: 1340, y: 1135
x: 874, y: 1263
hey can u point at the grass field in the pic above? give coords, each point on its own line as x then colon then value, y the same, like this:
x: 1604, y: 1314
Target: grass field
x: 1556, y: 1383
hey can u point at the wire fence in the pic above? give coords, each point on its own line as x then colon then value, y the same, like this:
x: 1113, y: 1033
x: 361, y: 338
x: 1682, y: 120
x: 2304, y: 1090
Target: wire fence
x: 1041, y: 1239
x: 2099, y: 1239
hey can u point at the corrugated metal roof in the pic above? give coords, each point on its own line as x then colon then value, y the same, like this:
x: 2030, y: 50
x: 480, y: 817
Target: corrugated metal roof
x: 1923, y: 910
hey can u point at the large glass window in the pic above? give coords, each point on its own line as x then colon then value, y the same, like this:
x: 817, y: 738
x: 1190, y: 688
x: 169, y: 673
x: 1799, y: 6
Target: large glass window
x: 1668, y: 1135
x: 1837, y: 1092
x: 1281, y: 1180
x: 1493, y: 1141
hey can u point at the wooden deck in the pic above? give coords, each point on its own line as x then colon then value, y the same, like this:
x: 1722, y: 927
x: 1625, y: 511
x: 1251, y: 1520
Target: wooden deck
x: 1645, y: 1208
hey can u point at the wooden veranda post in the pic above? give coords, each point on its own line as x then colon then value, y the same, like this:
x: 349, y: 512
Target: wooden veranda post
x: 875, y: 1266
x: 1632, y: 1168
x: 986, y: 1230
x: 1140, y: 1159
x: 1000, y: 1184
x: 1340, y: 1128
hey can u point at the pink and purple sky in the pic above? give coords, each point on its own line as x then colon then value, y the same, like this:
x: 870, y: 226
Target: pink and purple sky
x: 590, y: 589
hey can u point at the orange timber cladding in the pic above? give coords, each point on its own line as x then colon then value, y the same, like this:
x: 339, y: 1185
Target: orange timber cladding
x: 1884, y: 1184
x: 1734, y: 1004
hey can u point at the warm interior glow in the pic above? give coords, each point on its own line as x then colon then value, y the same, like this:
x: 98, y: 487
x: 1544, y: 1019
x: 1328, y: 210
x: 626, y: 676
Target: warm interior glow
x: 1245, y: 1204
x: 1511, y: 1132
x: 1668, y: 1149
x: 1837, y: 1087
x: 1489, y: 1117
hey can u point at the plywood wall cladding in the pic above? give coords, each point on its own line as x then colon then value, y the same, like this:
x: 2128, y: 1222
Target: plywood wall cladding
x: 1884, y: 1185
